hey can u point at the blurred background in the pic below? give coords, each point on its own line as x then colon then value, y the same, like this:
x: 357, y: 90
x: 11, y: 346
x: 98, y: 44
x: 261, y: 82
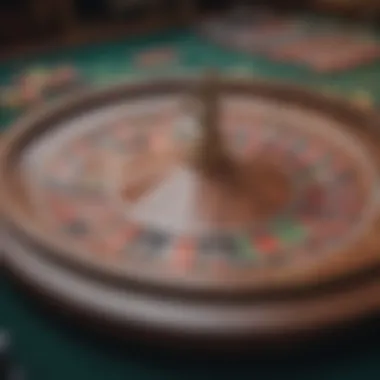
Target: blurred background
x: 271, y: 39
x: 25, y: 21
x: 50, y: 47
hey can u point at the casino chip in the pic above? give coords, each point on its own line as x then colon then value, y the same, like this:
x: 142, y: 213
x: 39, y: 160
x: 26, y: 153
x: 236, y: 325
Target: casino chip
x: 8, y: 369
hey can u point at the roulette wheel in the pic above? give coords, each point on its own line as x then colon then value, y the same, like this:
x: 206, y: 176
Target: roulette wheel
x: 204, y: 211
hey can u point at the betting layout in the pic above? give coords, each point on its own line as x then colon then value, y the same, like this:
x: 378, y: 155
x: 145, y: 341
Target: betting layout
x: 294, y: 40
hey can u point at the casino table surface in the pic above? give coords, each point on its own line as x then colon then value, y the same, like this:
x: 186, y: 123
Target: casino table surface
x: 51, y: 347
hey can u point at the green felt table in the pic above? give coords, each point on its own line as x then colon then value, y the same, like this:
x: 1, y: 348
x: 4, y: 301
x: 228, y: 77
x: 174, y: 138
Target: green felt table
x: 51, y: 348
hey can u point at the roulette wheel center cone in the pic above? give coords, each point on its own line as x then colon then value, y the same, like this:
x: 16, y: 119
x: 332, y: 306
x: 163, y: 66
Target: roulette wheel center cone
x: 229, y: 193
x: 241, y: 186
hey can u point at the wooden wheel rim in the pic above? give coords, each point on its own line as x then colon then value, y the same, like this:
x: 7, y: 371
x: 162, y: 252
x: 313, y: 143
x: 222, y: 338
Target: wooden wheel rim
x: 334, y: 268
